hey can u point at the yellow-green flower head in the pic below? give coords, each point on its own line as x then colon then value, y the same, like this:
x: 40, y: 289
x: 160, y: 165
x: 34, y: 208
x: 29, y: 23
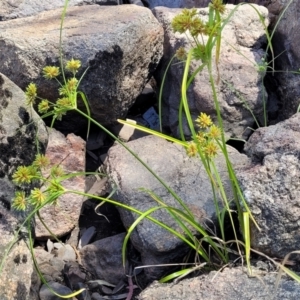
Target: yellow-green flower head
x: 204, y: 121
x: 191, y: 149
x: 41, y: 161
x: 72, y: 84
x: 22, y: 175
x: 181, y: 53
x: 43, y: 106
x: 218, y: 5
x: 19, y: 202
x: 37, y: 197
x: 201, y: 137
x: 214, y: 132
x: 57, y: 171
x: 211, y: 149
x: 31, y: 93
x: 183, y: 22
x: 73, y: 65
x: 64, y: 102
x: 51, y: 72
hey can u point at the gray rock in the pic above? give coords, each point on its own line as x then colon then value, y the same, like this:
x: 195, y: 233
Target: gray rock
x: 186, y: 176
x: 46, y: 294
x: 240, y: 81
x: 66, y: 253
x: 121, y: 44
x: 24, y: 8
x: 86, y: 237
x: 73, y: 271
x: 20, y: 128
x: 179, y: 3
x: 230, y: 284
x: 42, y: 255
x: 271, y: 187
x: 104, y: 258
x: 69, y: 153
x: 287, y: 55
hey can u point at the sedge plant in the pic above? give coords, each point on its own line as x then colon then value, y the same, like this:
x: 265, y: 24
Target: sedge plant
x: 208, y: 140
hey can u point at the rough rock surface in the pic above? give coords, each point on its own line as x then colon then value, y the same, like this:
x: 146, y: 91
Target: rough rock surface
x: 178, y: 3
x: 230, y: 284
x: 121, y: 45
x: 271, y: 187
x: 12, y: 9
x: 286, y: 49
x: 186, y: 176
x: 69, y: 153
x: 240, y: 81
x: 46, y: 294
x: 104, y: 258
x: 18, y: 133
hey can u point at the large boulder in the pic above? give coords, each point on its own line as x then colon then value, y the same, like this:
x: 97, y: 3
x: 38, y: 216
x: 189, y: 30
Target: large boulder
x: 186, y: 176
x: 271, y: 187
x: 20, y: 129
x: 24, y: 8
x: 121, y: 45
x: 240, y: 87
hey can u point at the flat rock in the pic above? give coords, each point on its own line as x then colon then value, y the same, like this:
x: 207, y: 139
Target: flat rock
x: 121, y: 45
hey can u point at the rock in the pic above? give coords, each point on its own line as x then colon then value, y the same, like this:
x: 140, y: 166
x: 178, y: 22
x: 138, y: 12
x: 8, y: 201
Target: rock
x: 42, y: 256
x: 274, y: 6
x: 186, y: 176
x: 122, y: 46
x: 179, y: 3
x: 230, y: 284
x: 25, y: 8
x: 271, y: 187
x: 240, y: 81
x: 104, y: 258
x: 66, y: 253
x: 46, y: 294
x: 69, y: 153
x: 286, y: 50
x: 86, y: 237
x: 73, y: 271
x: 20, y: 128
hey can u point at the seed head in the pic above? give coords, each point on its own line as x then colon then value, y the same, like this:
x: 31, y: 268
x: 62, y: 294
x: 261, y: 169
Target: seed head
x: 50, y: 72
x: 31, y: 93
x: 211, y: 149
x: 41, y: 161
x: 43, y: 106
x: 204, y: 121
x: 37, y: 197
x: 191, y: 150
x: 73, y: 65
x: 19, y: 202
x: 22, y: 175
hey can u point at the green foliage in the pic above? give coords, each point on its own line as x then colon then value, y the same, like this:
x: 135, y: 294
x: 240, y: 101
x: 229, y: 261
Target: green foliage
x: 208, y: 140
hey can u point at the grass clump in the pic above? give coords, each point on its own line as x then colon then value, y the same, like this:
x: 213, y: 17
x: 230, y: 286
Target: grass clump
x: 207, y: 140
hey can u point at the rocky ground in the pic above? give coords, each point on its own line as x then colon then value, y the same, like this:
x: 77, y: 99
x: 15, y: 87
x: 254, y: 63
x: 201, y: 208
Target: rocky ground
x: 126, y: 49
